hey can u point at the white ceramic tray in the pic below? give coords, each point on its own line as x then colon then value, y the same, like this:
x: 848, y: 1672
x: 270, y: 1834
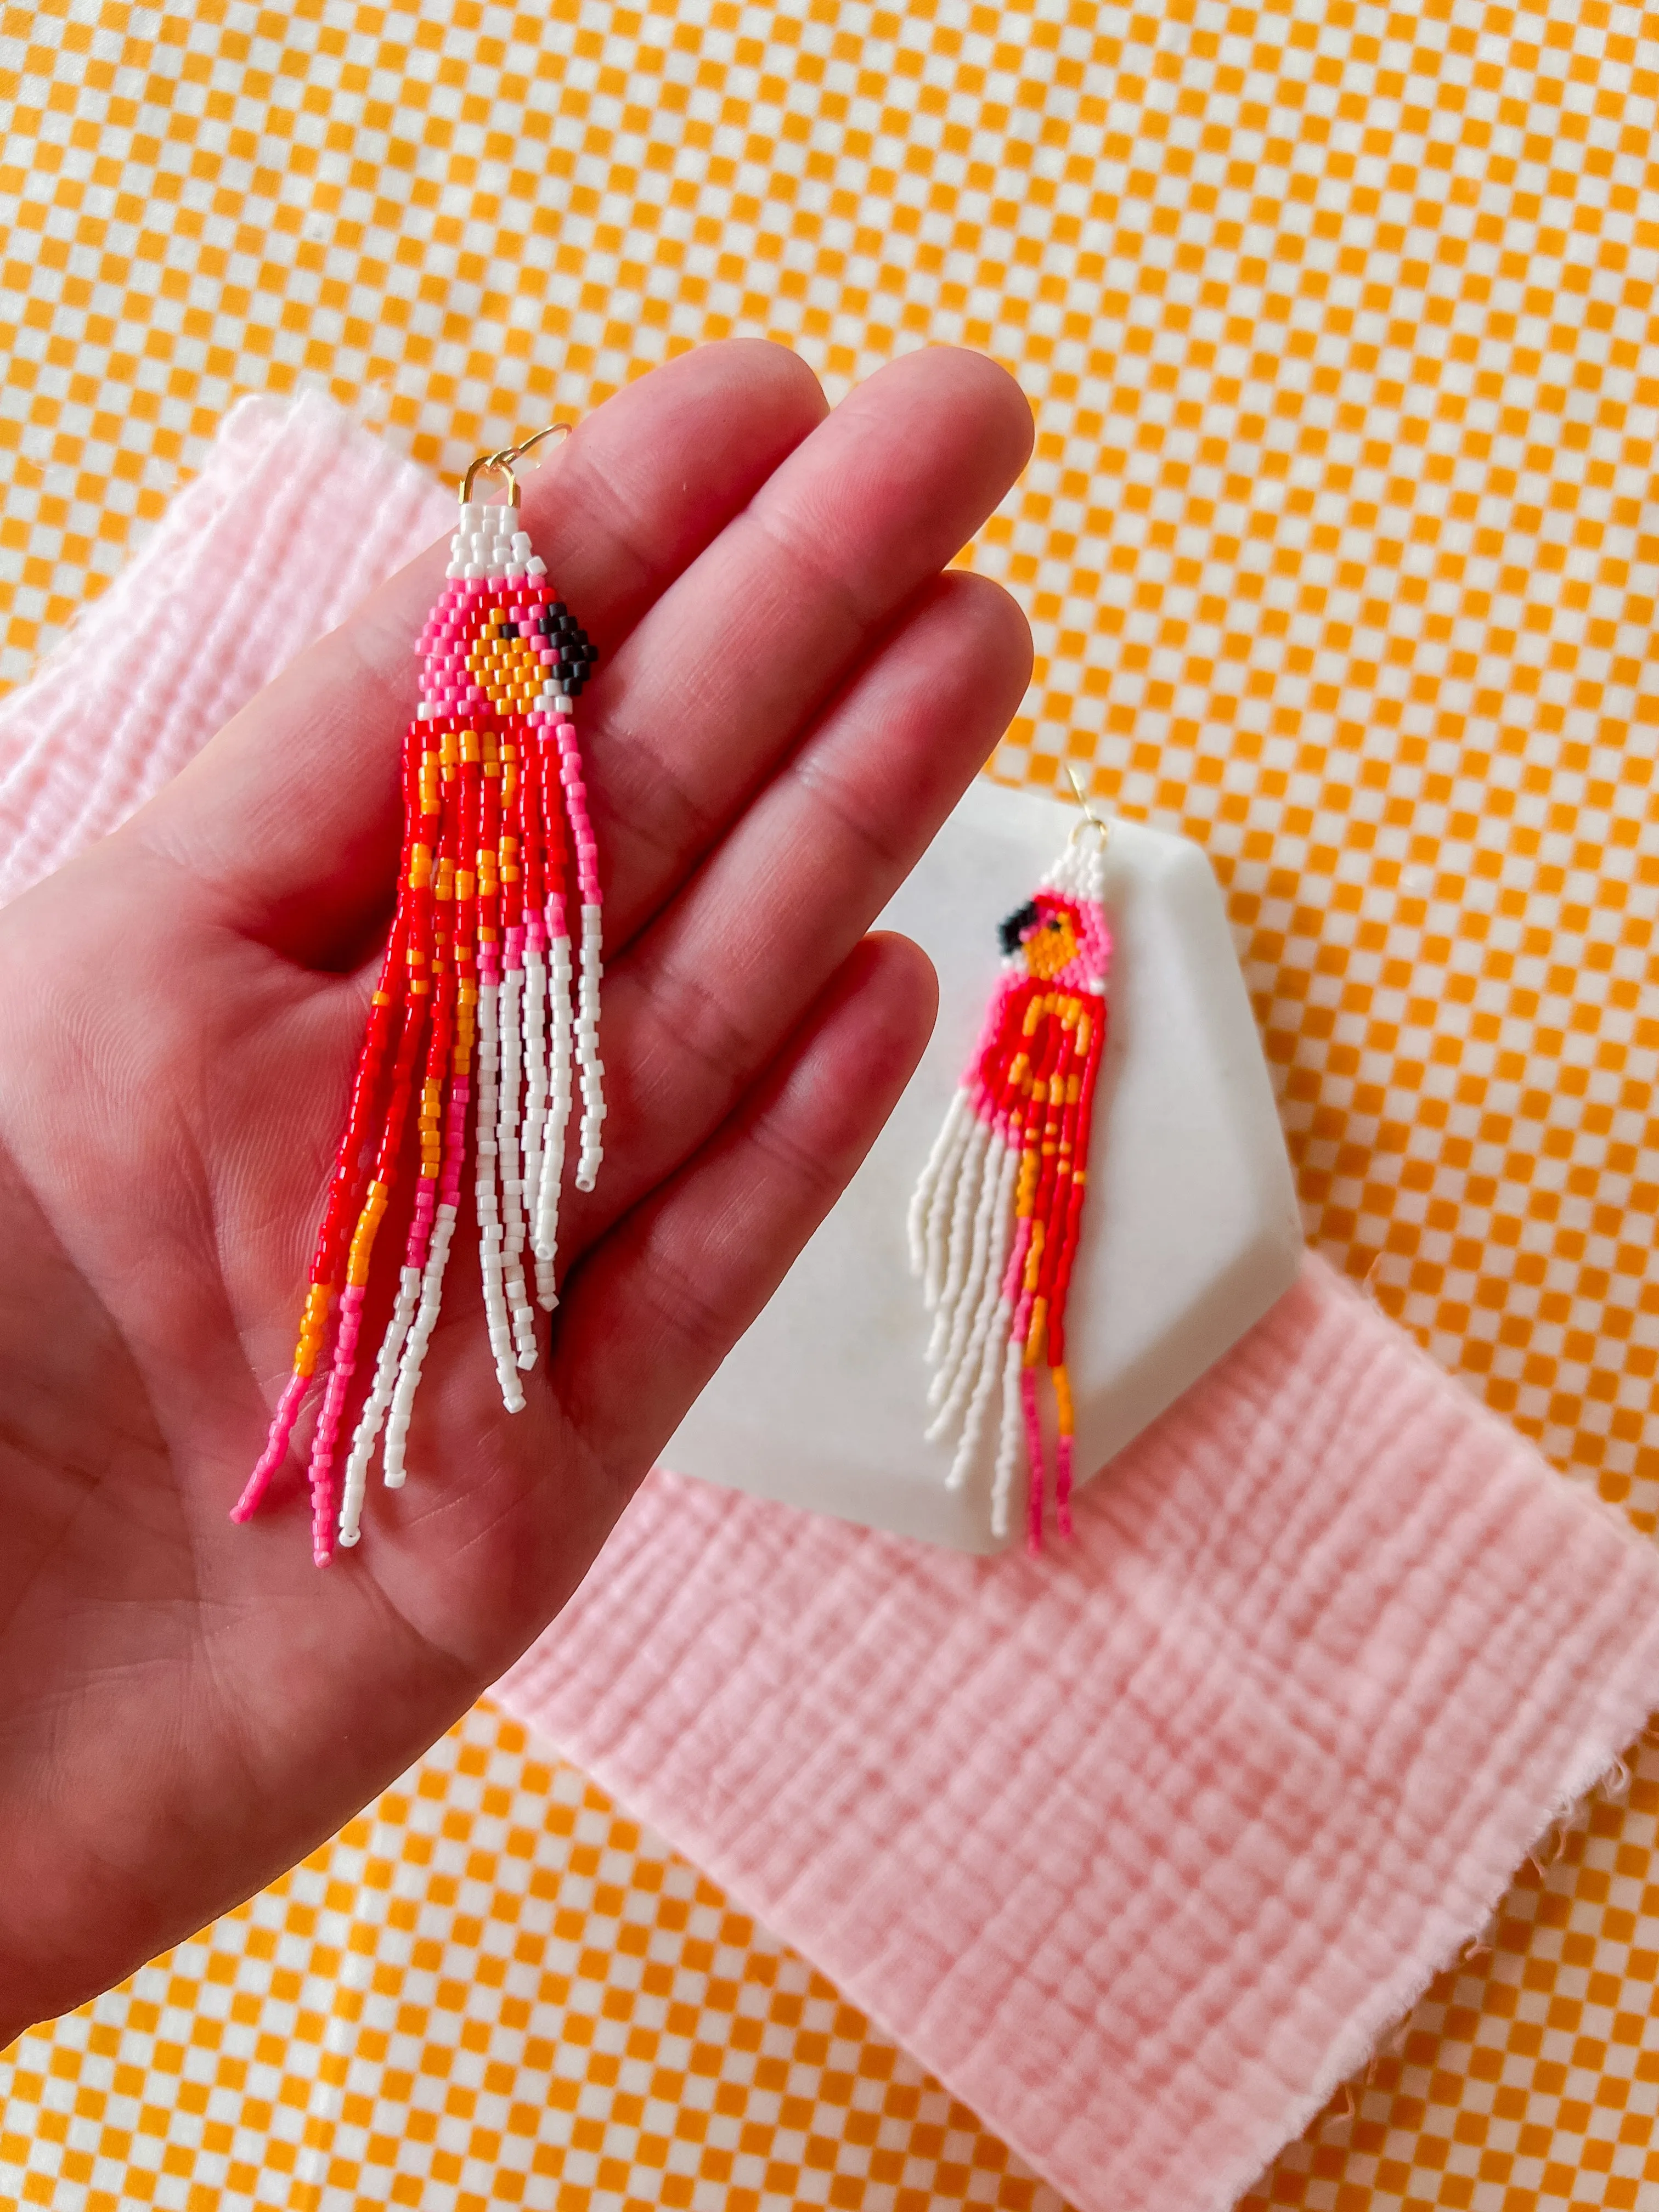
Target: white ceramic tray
x: 1191, y: 1231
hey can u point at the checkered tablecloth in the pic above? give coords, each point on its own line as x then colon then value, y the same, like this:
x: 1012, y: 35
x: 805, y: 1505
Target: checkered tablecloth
x: 1340, y: 547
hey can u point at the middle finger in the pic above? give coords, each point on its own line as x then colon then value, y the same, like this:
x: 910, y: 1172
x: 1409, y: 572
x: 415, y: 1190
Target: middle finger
x: 702, y: 1001
x: 722, y: 679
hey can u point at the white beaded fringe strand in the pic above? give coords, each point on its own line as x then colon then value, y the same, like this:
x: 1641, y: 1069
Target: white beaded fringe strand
x: 415, y: 1349
x: 545, y: 1234
x: 508, y: 1128
x: 592, y: 1067
x: 484, y: 1198
x: 990, y: 1217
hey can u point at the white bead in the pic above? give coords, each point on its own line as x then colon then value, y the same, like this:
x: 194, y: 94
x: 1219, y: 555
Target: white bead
x: 414, y: 1352
x: 964, y: 1353
x: 375, y: 1409
x: 1008, y: 1441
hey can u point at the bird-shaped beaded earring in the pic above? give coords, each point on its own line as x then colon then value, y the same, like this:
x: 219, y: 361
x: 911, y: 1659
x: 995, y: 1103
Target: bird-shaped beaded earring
x: 995, y: 1217
x: 483, y: 1012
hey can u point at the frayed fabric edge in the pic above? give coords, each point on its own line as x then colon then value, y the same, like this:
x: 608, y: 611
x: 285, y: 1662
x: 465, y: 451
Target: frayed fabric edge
x: 1601, y: 1776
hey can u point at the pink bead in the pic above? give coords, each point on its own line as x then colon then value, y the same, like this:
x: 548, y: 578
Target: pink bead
x: 1033, y: 1447
x: 276, y: 1451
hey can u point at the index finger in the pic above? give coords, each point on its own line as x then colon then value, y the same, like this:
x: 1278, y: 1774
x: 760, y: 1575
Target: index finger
x: 289, y: 820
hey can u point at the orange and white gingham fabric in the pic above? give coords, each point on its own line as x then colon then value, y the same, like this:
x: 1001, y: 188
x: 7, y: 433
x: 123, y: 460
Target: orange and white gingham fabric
x: 580, y: 2020
x: 1339, y: 327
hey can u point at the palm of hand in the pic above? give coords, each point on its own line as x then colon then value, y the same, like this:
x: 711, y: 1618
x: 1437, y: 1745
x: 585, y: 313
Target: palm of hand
x: 792, y: 698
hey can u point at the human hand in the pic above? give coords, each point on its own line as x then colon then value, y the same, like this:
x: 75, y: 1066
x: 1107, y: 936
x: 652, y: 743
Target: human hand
x: 790, y: 698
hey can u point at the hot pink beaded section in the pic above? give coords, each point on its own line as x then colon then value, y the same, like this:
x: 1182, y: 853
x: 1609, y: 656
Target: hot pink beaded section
x: 483, y: 1013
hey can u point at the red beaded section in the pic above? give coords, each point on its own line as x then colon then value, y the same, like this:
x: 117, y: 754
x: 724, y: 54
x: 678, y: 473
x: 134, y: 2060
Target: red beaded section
x: 479, y: 999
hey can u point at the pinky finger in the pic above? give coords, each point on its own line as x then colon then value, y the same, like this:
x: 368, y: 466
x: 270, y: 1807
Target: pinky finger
x: 657, y: 1305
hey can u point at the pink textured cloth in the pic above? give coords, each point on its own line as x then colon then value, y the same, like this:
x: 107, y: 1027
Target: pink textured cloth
x: 1140, y: 1845
x: 297, y: 515
x: 1143, y: 1845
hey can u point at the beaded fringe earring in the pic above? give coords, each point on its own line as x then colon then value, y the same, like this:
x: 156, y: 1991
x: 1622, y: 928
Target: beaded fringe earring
x: 478, y: 969
x: 994, y: 1220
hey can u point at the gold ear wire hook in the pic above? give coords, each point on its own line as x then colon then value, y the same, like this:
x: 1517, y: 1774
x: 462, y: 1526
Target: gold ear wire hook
x: 500, y: 464
x: 490, y: 465
x: 1090, y: 819
x: 553, y: 430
